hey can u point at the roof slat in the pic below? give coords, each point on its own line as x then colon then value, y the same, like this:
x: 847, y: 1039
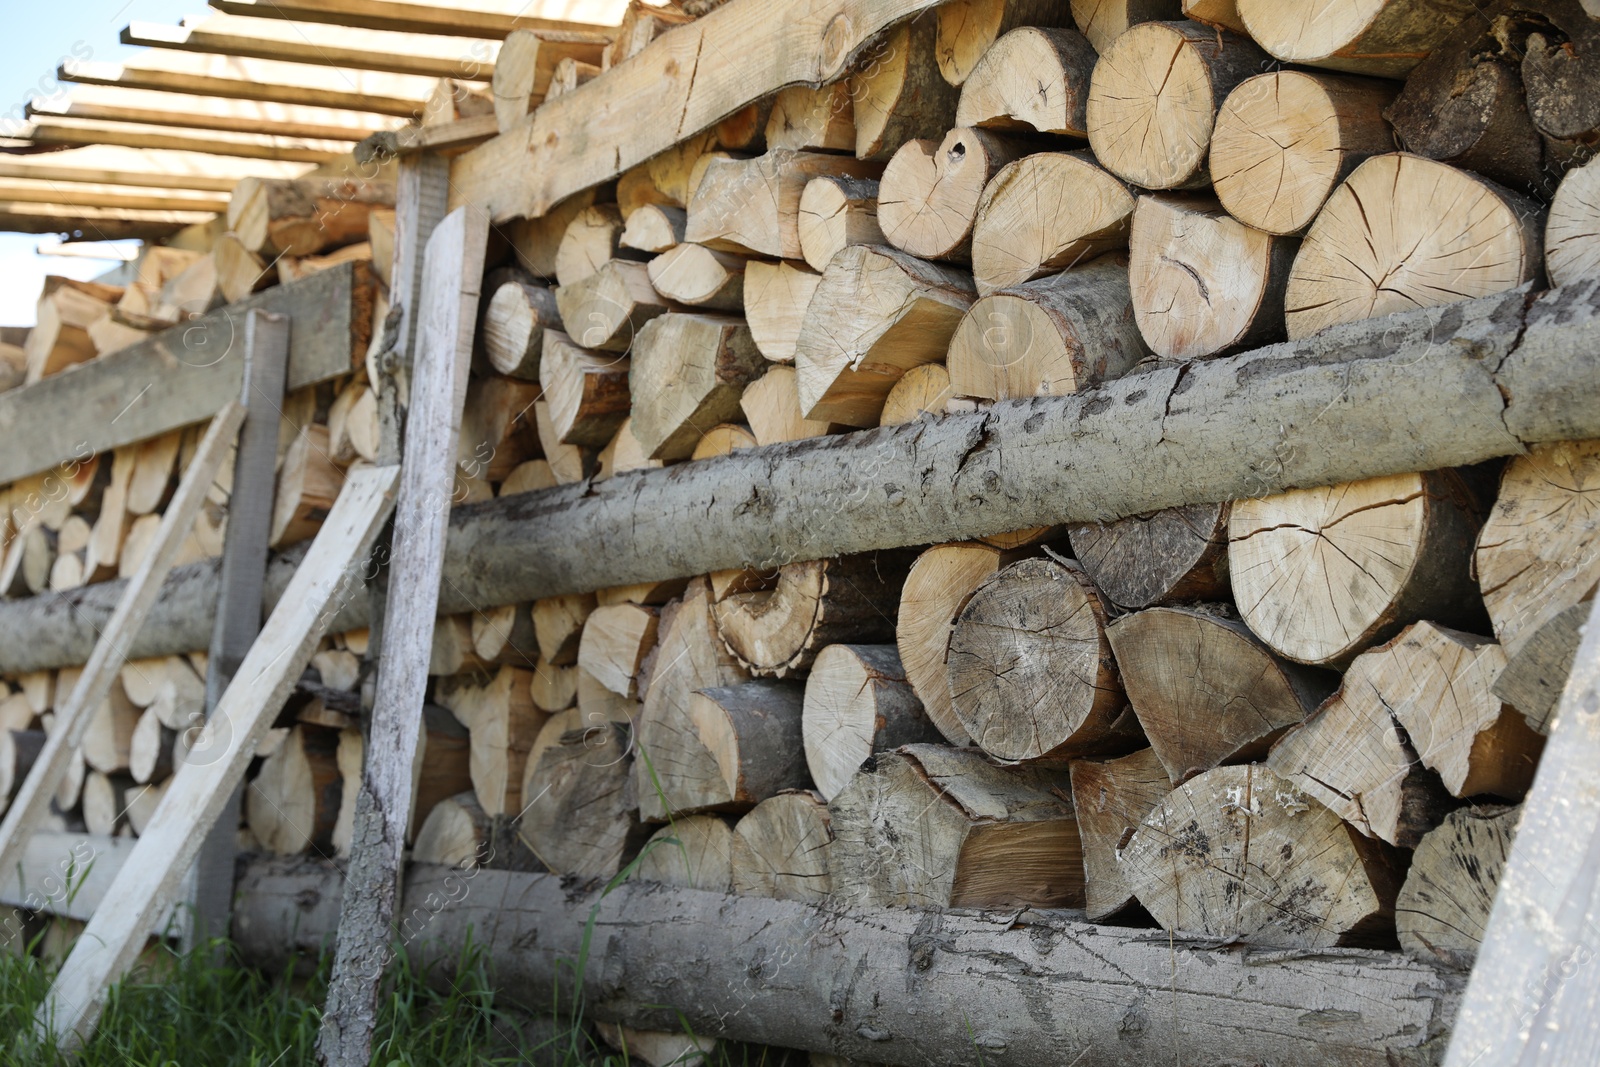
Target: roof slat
x: 235, y: 78
x: 209, y: 113
x: 79, y: 194
x: 85, y: 132
x: 492, y: 19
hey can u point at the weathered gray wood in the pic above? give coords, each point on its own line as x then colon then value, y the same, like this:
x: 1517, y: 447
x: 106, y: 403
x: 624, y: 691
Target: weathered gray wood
x: 893, y: 986
x: 182, y: 375
x: 445, y: 319
x: 66, y: 875
x: 73, y: 716
x: 1535, y: 987
x: 218, y: 760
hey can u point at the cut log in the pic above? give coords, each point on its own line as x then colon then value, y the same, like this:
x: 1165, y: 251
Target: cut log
x: 452, y: 652
x: 349, y: 756
x: 1404, y: 232
x: 293, y: 803
x: 1169, y: 555
x: 150, y: 749
x: 1110, y: 800
x: 108, y: 736
x: 640, y: 25
x: 675, y: 770
x: 654, y: 228
x: 142, y: 802
x: 1154, y: 98
x: 504, y: 635
x: 776, y: 296
x: 1284, y: 140
x: 303, y: 216
x: 338, y: 668
x: 60, y: 336
x: 624, y: 453
x: 969, y: 29
x: 876, y: 314
x: 1103, y: 21
x: 806, y: 119
x: 695, y: 852
x: 753, y: 734
x: 700, y: 277
x: 1045, y: 213
x: 1032, y: 79
x: 105, y: 802
x: 1206, y: 690
x: 1029, y: 668
x: 1386, y: 38
x: 587, y: 391
x: 771, y: 405
x: 1239, y: 853
x: 1320, y: 574
x: 240, y: 271
x: 616, y: 639
x: 1048, y: 337
x: 928, y: 826
x: 723, y: 439
x: 779, y: 632
x: 591, y: 241
x: 152, y: 473
x: 568, y: 463
x: 930, y: 190
x: 780, y: 849
x: 753, y: 205
x: 514, y: 322
x: 135, y: 547
x: 19, y: 748
x: 858, y: 703
x: 898, y: 91
x: 582, y: 817
x: 687, y: 374
x: 70, y: 789
x: 503, y: 723
x: 1534, y: 678
x: 1572, y: 235
x: 923, y: 390
x: 308, y: 484
x: 296, y: 268
x: 457, y: 833
x: 1443, y: 907
x: 558, y: 625
x: 1539, y: 552
x: 528, y: 477
x: 836, y: 213
x: 570, y: 73
x: 535, y: 241
x: 1559, y: 71
x: 363, y: 428
x: 608, y: 308
x: 553, y: 688
x: 1223, y: 13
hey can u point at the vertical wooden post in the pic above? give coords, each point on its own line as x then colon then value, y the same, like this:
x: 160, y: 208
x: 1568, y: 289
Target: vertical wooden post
x: 240, y: 590
x: 447, y: 314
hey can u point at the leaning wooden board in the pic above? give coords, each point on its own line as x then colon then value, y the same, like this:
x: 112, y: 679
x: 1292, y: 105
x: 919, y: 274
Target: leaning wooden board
x: 182, y: 375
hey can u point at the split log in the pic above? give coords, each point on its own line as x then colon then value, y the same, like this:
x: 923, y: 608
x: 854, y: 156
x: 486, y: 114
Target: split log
x: 813, y: 119
x: 776, y: 296
x: 1284, y: 140
x: 898, y: 90
x: 1534, y: 678
x: 675, y: 173
x: 1169, y: 555
x: 929, y: 194
x: 456, y: 833
x: 569, y: 73
x: 308, y: 484
x: 1154, y: 98
x: 858, y: 703
x: 503, y: 723
x: 700, y: 277
x: 148, y: 487
x: 1204, y: 283
x: 108, y: 735
x: 1443, y: 907
x: 687, y: 374
x: 303, y: 216
x: 135, y: 547
x: 142, y: 802
x: 723, y: 439
x: 923, y: 390
x: 876, y: 314
x: 441, y: 768
x: 1405, y: 232
x: 60, y: 336
x: 349, y: 755
x: 1539, y: 552
x: 968, y: 30
x: 835, y: 213
x: 150, y: 749
x: 928, y: 826
x: 641, y: 24
x: 1223, y: 13
x: 616, y: 639
x: 587, y: 391
x: 753, y: 205
x: 676, y: 771
x: 535, y: 241
x: 293, y: 804
x: 554, y: 688
x: 1029, y: 668
x: 583, y: 818
x: 338, y: 668
x: 558, y: 625
x: 19, y: 748
x: 240, y: 271
x: 779, y: 632
x: 1320, y: 574
x: 70, y: 789
x: 452, y: 652
x: 1386, y: 39
x: 568, y: 463
x: 1103, y: 21
x: 1206, y: 690
x: 1239, y: 853
x: 780, y: 849
x: 514, y: 323
x: 752, y: 732
x: 1045, y: 213
x: 15, y: 714
x: 1032, y: 79
x: 504, y: 635
x: 528, y: 477
x: 607, y: 309
x: 296, y: 268
x: 1572, y: 235
x: 695, y: 852
x: 654, y: 228
x: 591, y: 241
x: 1048, y: 337
x: 105, y: 802
x: 1110, y: 800
x: 771, y: 405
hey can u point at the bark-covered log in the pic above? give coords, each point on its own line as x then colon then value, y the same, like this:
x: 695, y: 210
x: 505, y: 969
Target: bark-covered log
x: 1385, y: 37
x: 1534, y: 678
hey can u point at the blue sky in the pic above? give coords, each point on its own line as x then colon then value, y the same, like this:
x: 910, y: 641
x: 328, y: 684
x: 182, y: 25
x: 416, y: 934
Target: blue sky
x: 37, y: 36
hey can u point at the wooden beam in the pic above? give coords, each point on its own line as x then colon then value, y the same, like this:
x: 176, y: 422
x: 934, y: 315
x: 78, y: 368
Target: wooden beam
x: 233, y: 78
x: 76, y: 194
x: 491, y: 19
x: 410, y: 140
x: 182, y: 375
x: 67, y: 131
x: 686, y: 81
x: 88, y: 250
x: 148, y: 880
x: 144, y: 168
x: 93, y: 223
x: 185, y: 111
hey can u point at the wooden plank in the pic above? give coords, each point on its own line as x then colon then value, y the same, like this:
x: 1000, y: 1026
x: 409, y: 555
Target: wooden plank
x: 493, y: 19
x: 32, y: 800
x: 23, y: 191
x: 452, y: 275
x: 95, y: 223
x: 234, y: 78
x: 64, y: 874
x: 410, y: 140
x: 684, y: 82
x: 182, y: 375
x: 186, y: 111
x: 1536, y: 986
x: 68, y: 131
x: 88, y: 250
x: 146, y: 168
x: 221, y: 754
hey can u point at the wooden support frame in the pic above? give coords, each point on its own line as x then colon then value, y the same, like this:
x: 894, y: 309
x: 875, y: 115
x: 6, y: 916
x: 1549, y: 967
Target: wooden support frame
x: 185, y: 111
x: 71, y: 131
x: 265, y: 80
x: 24, y: 191
x: 153, y: 168
x: 220, y: 756
x: 95, y: 223
x: 491, y: 19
